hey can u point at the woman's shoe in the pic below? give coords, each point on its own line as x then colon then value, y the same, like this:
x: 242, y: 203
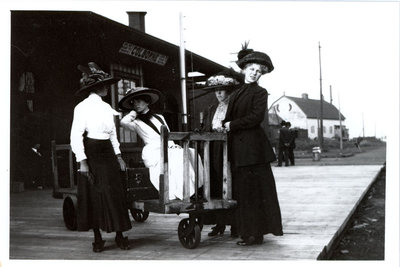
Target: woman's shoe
x: 98, y: 246
x: 219, y: 229
x: 122, y: 243
x: 251, y: 240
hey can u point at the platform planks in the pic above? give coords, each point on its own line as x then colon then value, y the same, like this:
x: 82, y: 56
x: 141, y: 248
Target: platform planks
x: 315, y: 203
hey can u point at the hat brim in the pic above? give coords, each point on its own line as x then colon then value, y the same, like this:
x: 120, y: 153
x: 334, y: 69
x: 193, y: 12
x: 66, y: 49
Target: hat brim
x: 126, y: 102
x: 220, y: 87
x: 243, y: 63
x: 96, y: 85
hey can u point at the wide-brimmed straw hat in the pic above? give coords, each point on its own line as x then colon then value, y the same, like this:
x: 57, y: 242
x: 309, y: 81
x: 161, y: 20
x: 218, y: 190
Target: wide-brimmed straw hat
x: 225, y: 80
x: 126, y: 103
x: 93, y: 78
x: 246, y: 56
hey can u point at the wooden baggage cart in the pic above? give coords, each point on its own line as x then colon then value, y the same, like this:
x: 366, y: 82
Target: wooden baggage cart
x: 189, y: 229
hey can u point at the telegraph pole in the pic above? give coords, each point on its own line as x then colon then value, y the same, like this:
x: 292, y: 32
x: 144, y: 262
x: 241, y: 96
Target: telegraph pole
x: 363, y: 125
x: 340, y: 123
x: 321, y: 129
x: 183, y: 74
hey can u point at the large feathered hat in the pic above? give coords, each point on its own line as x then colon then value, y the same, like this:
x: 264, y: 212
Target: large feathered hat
x: 126, y: 103
x: 93, y: 77
x: 227, y: 80
x: 247, y: 55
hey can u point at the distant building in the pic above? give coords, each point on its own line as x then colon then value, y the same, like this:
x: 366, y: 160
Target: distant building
x: 304, y: 113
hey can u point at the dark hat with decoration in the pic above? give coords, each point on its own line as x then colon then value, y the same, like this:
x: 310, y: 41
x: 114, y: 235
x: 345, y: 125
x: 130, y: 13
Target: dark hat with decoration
x: 126, y: 103
x: 93, y: 78
x: 246, y: 56
x: 227, y: 80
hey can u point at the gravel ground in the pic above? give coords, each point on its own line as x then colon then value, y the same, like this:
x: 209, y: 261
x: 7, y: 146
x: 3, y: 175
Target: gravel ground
x: 364, y: 238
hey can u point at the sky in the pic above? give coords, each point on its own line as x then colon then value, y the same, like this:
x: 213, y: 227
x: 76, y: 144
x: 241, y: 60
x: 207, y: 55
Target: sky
x: 359, y: 48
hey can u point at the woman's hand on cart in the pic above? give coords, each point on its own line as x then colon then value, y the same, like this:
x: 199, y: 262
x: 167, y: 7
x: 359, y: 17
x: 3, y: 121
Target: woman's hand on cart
x: 174, y: 146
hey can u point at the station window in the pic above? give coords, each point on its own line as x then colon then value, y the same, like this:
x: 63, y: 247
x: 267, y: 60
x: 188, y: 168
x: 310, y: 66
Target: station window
x: 127, y: 82
x: 312, y: 129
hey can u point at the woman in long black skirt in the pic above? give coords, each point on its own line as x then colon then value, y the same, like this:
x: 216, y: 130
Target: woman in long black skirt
x: 101, y: 197
x: 258, y: 212
x: 223, y: 84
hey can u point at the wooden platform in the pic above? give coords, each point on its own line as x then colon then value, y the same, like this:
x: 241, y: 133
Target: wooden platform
x: 315, y: 202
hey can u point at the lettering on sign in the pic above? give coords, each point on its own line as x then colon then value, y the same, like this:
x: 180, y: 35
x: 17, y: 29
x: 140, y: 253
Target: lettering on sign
x: 143, y: 53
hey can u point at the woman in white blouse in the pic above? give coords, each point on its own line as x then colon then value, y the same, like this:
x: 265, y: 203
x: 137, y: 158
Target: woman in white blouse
x: 101, y: 196
x: 148, y: 126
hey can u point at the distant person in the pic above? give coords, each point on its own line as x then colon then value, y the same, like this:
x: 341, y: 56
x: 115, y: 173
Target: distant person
x: 101, y: 194
x: 250, y: 152
x: 285, y: 139
x: 292, y: 146
x: 358, y: 142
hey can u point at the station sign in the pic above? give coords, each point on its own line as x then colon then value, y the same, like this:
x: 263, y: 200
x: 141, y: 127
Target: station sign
x: 143, y: 53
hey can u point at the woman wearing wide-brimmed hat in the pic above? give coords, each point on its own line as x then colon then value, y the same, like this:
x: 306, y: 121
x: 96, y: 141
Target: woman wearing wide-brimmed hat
x: 222, y: 84
x: 147, y: 125
x: 250, y: 152
x: 101, y: 196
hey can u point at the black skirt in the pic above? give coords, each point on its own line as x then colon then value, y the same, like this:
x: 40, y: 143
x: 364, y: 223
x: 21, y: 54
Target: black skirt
x: 258, y: 210
x: 102, y: 204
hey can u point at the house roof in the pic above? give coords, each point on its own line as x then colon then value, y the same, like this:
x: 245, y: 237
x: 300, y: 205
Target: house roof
x: 311, y: 108
x: 274, y: 119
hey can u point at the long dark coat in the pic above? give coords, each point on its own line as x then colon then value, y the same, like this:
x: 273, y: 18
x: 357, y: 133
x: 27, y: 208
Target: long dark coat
x: 250, y: 152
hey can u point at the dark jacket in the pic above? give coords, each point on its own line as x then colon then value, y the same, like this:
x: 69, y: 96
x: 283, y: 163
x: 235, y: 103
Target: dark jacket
x: 285, y: 137
x: 208, y: 117
x: 248, y: 143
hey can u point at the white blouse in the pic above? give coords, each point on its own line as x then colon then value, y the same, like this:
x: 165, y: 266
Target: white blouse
x: 96, y: 117
x: 148, y: 135
x: 219, y: 115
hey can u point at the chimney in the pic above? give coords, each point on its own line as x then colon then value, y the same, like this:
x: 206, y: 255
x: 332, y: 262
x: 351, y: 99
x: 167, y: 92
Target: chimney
x: 304, y: 96
x: 136, y: 20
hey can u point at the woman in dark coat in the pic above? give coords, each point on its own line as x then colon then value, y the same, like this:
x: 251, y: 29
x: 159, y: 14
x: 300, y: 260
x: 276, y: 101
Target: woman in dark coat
x: 101, y: 196
x: 250, y: 152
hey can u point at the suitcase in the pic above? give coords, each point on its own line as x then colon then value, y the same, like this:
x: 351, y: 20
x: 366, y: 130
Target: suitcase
x: 138, y: 185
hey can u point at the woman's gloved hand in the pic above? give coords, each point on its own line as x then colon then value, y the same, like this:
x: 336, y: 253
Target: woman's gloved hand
x: 121, y: 162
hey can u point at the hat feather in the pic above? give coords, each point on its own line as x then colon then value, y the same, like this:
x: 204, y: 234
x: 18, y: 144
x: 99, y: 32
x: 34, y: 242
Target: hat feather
x: 245, y: 50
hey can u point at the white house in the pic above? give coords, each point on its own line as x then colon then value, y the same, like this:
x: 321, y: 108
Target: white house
x: 304, y: 113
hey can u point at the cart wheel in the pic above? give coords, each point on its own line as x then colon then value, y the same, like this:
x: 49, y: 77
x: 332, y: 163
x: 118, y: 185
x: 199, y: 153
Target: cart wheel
x: 200, y: 222
x: 69, y: 212
x: 189, y: 236
x: 139, y: 215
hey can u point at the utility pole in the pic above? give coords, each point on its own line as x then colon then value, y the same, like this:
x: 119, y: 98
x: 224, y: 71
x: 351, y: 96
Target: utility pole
x: 183, y: 74
x: 340, y: 123
x: 321, y: 129
x: 363, y: 125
